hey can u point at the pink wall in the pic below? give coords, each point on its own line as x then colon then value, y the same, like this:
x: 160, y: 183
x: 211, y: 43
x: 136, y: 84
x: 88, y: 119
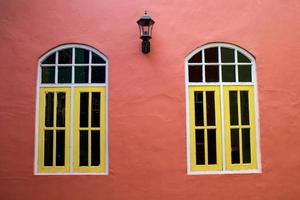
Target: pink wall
x: 147, y: 134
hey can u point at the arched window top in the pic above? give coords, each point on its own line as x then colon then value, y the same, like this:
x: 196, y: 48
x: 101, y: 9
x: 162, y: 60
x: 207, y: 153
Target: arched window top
x: 220, y: 53
x: 222, y: 112
x: 72, y: 111
x: 81, y: 55
x: 73, y: 64
x: 220, y: 62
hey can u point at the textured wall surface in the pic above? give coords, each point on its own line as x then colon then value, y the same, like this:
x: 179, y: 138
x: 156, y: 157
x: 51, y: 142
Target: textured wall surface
x: 146, y: 120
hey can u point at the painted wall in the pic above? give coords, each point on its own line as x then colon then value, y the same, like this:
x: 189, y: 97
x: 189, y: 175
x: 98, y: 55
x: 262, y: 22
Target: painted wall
x: 147, y: 131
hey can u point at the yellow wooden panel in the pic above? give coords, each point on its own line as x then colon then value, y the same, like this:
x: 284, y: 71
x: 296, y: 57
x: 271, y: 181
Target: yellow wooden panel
x: 206, y: 167
x: 42, y: 128
x: 89, y: 168
x: 241, y: 166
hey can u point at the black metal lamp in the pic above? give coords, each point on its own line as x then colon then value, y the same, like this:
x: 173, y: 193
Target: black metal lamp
x: 145, y: 25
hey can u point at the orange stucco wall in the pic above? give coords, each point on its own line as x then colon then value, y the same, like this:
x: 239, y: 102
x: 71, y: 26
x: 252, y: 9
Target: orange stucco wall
x: 146, y: 120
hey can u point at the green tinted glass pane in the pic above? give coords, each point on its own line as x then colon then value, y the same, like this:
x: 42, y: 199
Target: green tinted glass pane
x: 198, y: 108
x: 212, y: 73
x: 96, y: 109
x: 244, y: 107
x: 228, y: 73
x: 245, y: 73
x: 212, y: 147
x: 97, y: 59
x: 233, y: 108
x: 49, y: 109
x: 82, y: 74
x: 60, y: 148
x: 197, y: 58
x: 235, y: 146
x: 227, y: 55
x: 64, y: 74
x: 98, y: 74
x: 50, y: 59
x: 84, y: 109
x: 65, y: 56
x: 48, y: 74
x: 195, y: 73
x: 95, y: 148
x: 242, y: 58
x: 48, y: 148
x: 211, y: 55
x: 210, y: 108
x: 246, y: 145
x: 81, y: 56
x: 200, y: 148
x: 83, y: 148
x: 60, y: 109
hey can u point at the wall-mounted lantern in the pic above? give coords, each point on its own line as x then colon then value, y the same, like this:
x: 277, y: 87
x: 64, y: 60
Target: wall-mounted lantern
x: 145, y: 25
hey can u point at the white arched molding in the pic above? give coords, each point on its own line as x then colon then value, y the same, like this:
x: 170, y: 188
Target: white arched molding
x: 238, y: 58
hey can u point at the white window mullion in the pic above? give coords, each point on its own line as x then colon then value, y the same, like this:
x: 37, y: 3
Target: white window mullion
x: 203, y: 66
x: 56, y: 68
x: 71, y: 129
x: 222, y: 110
x: 73, y: 67
x: 236, y: 66
x: 90, y: 67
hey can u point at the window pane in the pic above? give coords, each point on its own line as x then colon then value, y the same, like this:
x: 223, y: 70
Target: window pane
x: 199, y: 108
x: 81, y: 56
x: 235, y: 146
x: 83, y: 146
x: 82, y: 74
x: 244, y: 107
x: 95, y: 148
x: 212, y: 147
x: 97, y: 59
x: 195, y: 73
x: 65, y: 56
x: 98, y: 74
x: 210, y: 108
x: 212, y: 73
x: 64, y: 74
x: 228, y: 73
x: 200, y: 152
x: 242, y: 58
x: 246, y: 145
x: 227, y: 55
x: 50, y: 59
x: 233, y: 108
x: 245, y: 73
x: 197, y: 58
x: 48, y: 148
x: 60, y: 148
x: 84, y: 109
x: 48, y: 74
x: 96, y: 109
x: 60, y: 111
x: 211, y: 55
x: 49, y: 109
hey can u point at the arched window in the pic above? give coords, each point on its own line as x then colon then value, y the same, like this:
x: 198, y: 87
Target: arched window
x: 222, y: 110
x: 72, y: 111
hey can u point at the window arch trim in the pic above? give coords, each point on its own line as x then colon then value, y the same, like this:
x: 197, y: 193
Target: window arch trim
x: 72, y: 45
x: 220, y: 83
x: 228, y: 45
x: 72, y: 87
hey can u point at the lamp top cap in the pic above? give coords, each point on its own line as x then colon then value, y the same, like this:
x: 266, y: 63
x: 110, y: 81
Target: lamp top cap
x: 145, y: 20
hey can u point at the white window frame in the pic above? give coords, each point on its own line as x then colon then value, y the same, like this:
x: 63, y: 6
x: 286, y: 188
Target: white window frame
x: 221, y: 84
x: 71, y: 85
